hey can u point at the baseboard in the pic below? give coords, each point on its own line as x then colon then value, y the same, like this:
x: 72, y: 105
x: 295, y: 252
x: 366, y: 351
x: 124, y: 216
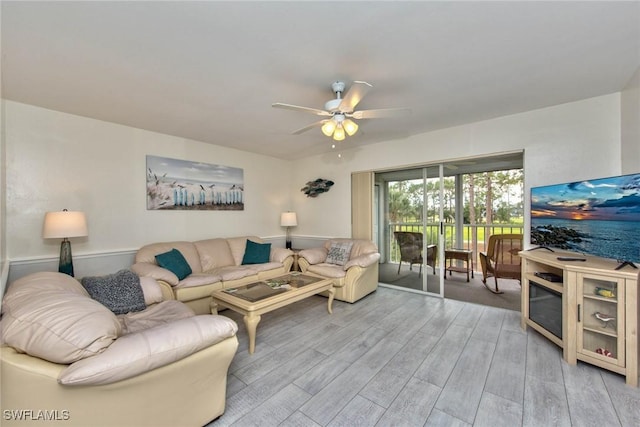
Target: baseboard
x: 95, y: 264
x: 306, y: 242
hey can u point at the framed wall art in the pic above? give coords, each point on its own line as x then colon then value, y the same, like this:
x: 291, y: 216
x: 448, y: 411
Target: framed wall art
x: 174, y: 184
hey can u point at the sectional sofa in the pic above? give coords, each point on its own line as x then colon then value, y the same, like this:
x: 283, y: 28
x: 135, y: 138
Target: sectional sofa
x: 212, y: 264
x: 67, y: 359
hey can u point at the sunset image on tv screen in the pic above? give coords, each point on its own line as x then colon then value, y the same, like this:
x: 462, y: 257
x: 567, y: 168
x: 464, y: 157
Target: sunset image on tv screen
x: 599, y: 217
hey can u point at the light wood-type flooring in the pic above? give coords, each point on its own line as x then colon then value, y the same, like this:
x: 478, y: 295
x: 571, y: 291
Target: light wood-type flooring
x: 402, y: 359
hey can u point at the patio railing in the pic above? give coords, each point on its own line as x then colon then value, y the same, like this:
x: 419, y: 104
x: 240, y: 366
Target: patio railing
x: 475, y: 237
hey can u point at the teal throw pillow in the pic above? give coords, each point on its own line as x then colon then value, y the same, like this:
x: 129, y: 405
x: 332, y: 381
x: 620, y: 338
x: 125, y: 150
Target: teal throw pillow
x: 256, y: 253
x: 174, y: 261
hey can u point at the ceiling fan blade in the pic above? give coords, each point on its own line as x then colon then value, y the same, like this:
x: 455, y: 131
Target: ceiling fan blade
x: 353, y: 96
x: 377, y: 114
x: 306, y: 128
x: 299, y: 108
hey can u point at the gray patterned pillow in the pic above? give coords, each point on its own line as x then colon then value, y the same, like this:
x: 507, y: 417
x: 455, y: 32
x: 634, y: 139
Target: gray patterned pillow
x: 120, y: 292
x: 339, y: 253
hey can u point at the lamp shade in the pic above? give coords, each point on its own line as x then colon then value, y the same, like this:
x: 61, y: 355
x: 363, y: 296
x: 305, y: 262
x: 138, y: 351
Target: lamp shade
x: 58, y: 225
x: 328, y: 127
x: 350, y: 127
x: 288, y: 219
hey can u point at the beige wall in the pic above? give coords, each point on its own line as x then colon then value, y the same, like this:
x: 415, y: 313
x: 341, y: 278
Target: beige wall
x: 561, y: 143
x: 57, y: 160
x: 4, y: 269
x: 631, y: 125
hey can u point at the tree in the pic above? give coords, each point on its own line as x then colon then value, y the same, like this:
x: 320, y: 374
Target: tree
x: 401, y: 207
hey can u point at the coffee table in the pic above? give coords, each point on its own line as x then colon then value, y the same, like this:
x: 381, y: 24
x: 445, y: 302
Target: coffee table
x: 258, y: 298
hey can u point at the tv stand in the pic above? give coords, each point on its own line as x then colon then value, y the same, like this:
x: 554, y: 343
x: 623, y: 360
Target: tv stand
x: 599, y: 309
x: 624, y: 264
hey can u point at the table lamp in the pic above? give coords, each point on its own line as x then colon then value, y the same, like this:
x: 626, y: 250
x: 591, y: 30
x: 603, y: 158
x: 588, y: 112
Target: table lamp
x: 63, y: 225
x: 288, y: 219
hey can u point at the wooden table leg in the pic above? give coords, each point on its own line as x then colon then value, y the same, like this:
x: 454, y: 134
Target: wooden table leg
x: 251, y: 323
x: 468, y: 266
x: 332, y: 293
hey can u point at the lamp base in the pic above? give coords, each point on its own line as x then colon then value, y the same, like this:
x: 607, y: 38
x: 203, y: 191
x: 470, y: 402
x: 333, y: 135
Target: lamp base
x: 287, y: 244
x: 66, y: 263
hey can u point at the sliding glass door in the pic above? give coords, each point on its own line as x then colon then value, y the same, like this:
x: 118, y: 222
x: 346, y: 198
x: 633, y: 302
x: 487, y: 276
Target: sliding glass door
x: 433, y: 281
x: 410, y: 237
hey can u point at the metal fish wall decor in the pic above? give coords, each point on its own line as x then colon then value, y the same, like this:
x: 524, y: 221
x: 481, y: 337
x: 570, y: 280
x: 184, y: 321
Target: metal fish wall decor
x: 319, y: 186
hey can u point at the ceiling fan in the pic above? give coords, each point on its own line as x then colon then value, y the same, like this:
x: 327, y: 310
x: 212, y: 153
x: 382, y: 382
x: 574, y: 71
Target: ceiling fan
x: 341, y: 110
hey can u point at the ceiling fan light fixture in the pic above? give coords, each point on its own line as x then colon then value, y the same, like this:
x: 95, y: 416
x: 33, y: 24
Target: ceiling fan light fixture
x: 328, y: 127
x: 350, y: 127
x: 338, y: 134
x: 334, y: 122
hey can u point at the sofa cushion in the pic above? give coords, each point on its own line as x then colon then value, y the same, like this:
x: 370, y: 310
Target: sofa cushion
x: 142, y: 351
x: 214, y: 253
x: 119, y: 292
x: 237, y: 246
x: 50, y: 316
x: 148, y: 253
x: 256, y: 253
x: 257, y: 268
x: 328, y: 270
x: 199, y: 279
x: 175, y: 262
x: 235, y: 273
x: 159, y: 314
x: 339, y: 253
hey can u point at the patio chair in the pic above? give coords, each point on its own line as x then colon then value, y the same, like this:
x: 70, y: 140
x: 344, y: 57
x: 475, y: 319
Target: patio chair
x: 501, y: 259
x: 410, y: 244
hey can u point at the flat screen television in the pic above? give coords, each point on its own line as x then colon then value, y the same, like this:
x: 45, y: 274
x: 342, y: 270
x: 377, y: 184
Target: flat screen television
x: 597, y: 217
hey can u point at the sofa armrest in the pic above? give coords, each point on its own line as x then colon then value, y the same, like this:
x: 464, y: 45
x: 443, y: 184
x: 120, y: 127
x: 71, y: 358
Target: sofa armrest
x: 280, y: 254
x: 363, y: 261
x: 147, y: 269
x: 147, y: 349
x: 314, y: 255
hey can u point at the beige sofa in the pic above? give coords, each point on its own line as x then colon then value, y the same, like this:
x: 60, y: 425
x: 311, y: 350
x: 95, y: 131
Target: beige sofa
x: 215, y: 264
x: 66, y: 359
x: 353, y: 280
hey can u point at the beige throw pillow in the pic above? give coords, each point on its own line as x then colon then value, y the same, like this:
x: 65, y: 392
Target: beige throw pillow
x: 339, y: 253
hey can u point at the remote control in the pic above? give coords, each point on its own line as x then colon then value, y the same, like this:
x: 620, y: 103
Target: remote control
x: 570, y: 258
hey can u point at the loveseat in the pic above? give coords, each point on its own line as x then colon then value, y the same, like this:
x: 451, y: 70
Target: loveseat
x: 67, y: 359
x: 351, y: 263
x: 212, y: 264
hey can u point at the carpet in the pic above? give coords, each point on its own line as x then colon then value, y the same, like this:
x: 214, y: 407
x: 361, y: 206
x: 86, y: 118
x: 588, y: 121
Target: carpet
x: 455, y: 286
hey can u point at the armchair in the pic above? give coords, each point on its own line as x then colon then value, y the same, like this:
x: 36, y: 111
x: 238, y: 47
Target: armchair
x: 410, y: 244
x: 501, y: 259
x: 352, y: 280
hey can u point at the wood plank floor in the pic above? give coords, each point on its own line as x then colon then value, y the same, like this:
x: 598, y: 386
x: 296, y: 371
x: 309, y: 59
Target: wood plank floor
x: 402, y: 359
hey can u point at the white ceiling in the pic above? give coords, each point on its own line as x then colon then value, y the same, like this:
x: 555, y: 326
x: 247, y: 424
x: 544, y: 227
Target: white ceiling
x: 209, y: 71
